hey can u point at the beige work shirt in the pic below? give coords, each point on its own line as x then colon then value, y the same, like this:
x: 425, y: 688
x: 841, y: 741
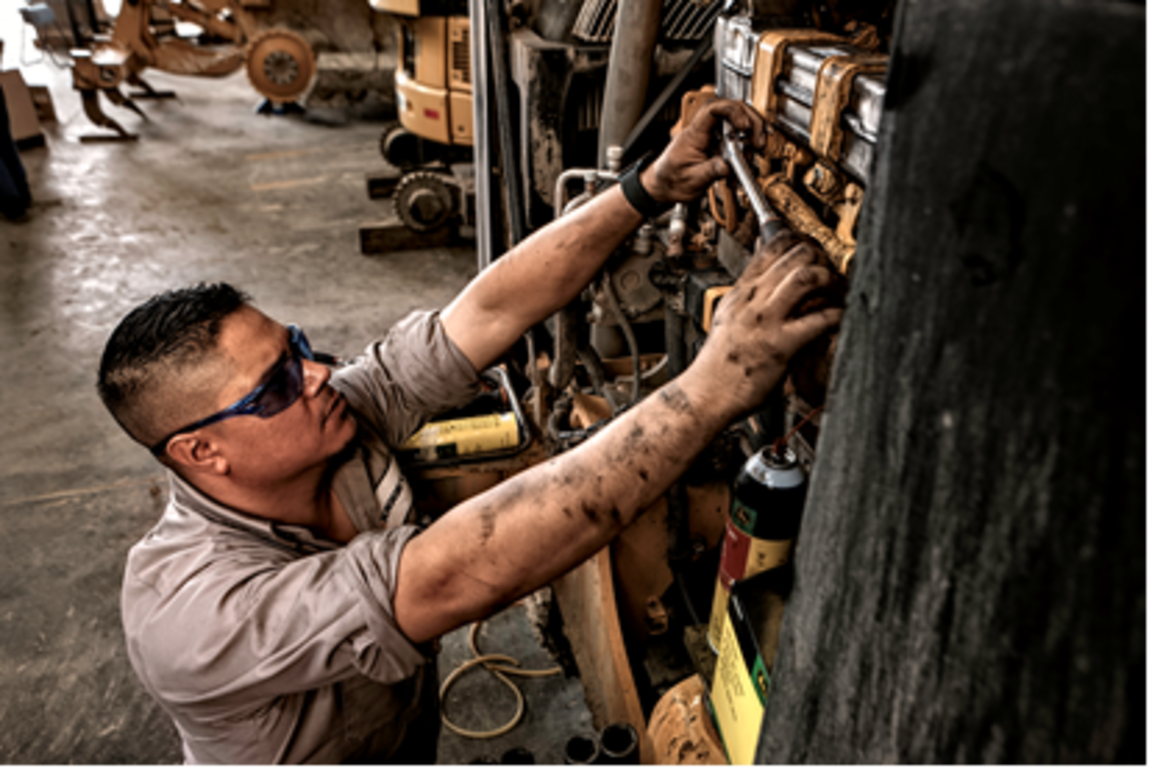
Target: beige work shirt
x: 266, y: 644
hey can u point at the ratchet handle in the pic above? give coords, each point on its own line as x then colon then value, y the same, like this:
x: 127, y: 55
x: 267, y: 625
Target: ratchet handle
x: 769, y: 223
x: 770, y: 229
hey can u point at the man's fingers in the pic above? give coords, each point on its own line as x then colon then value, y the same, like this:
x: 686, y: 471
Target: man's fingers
x: 738, y: 115
x: 780, y: 245
x: 765, y: 257
x: 804, y: 329
x: 716, y: 168
x: 797, y: 284
x: 800, y: 254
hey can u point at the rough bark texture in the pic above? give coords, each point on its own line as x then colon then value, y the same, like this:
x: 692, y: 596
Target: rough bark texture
x: 971, y: 571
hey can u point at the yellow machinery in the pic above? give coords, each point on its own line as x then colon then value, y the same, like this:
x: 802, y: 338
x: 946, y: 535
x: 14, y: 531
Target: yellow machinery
x: 433, y: 82
x: 431, y: 142
x: 433, y: 76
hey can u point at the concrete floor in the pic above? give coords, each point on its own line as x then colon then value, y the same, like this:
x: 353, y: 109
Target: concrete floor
x: 210, y: 192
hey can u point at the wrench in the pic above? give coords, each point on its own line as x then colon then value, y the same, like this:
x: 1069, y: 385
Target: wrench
x: 769, y: 222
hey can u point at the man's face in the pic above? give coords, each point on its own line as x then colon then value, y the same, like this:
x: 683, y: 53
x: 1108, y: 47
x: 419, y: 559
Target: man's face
x: 299, y: 438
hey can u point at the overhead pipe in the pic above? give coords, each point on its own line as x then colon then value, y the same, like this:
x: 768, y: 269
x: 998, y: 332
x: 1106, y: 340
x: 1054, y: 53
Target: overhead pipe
x: 636, y: 27
x: 480, y: 113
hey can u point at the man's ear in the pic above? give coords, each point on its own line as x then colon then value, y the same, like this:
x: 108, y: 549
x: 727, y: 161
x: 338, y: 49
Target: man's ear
x: 197, y: 453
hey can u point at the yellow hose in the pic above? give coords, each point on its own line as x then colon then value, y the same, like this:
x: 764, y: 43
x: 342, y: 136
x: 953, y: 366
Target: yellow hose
x: 499, y: 672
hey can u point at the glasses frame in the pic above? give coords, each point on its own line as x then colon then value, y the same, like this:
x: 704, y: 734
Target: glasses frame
x: 299, y: 349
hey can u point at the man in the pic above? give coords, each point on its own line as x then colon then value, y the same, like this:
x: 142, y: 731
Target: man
x: 15, y: 197
x: 280, y: 611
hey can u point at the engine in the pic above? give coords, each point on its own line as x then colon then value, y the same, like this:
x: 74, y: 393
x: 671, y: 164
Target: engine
x: 816, y: 73
x: 821, y: 94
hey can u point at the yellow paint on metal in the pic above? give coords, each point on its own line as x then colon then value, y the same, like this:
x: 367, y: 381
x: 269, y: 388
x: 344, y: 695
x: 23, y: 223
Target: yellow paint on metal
x: 464, y: 437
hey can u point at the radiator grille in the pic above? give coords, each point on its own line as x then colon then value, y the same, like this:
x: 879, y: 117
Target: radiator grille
x: 461, y: 60
x: 682, y: 20
x: 590, y: 108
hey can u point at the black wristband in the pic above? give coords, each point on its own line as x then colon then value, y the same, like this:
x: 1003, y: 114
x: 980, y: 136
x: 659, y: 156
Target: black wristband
x: 636, y: 194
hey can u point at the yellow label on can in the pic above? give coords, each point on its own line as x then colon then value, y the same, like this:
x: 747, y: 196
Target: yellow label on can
x: 464, y: 437
x: 717, y: 614
x: 742, y: 557
x: 738, y: 699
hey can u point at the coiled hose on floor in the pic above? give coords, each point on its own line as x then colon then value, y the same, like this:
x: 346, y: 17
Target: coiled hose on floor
x: 488, y: 663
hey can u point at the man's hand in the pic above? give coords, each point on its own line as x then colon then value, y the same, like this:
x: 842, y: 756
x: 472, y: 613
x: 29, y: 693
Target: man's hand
x: 688, y: 166
x: 785, y: 299
x: 530, y: 528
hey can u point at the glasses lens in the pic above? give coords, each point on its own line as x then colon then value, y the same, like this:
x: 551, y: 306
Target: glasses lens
x: 282, y: 389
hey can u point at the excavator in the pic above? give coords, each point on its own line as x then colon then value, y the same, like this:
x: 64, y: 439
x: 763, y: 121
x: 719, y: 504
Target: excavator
x: 431, y: 141
x: 147, y: 34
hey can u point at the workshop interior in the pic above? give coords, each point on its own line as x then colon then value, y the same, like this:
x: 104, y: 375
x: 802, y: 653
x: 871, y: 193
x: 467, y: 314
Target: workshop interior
x: 926, y: 544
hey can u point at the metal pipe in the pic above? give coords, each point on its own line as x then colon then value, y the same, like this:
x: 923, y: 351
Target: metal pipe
x: 581, y: 749
x: 484, y: 240
x: 591, y: 178
x: 566, y: 319
x: 628, y: 76
x: 507, y: 157
x: 619, y: 744
x: 561, y: 188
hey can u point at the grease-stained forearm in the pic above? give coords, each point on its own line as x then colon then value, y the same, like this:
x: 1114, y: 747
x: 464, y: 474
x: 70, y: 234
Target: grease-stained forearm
x: 548, y: 269
x: 536, y: 278
x: 537, y: 525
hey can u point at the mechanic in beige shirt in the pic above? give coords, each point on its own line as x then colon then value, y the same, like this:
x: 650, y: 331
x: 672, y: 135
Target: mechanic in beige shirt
x: 281, y: 611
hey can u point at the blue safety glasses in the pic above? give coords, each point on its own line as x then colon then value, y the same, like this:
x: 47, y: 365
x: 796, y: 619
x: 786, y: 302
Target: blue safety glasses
x: 283, y: 386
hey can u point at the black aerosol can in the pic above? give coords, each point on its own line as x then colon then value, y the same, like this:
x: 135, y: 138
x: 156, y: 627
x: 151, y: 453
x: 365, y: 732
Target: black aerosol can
x: 765, y: 513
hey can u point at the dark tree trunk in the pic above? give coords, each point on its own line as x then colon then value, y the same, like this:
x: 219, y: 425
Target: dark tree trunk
x: 971, y: 570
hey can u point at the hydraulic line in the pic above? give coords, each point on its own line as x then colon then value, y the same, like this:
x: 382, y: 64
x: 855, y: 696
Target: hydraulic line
x: 628, y: 332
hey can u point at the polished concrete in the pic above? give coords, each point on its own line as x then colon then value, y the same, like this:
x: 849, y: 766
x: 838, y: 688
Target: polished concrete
x: 210, y: 192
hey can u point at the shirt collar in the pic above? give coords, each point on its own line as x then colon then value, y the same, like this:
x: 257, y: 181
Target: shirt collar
x: 187, y: 497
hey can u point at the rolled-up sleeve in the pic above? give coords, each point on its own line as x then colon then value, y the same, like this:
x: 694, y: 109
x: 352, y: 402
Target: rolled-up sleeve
x: 414, y: 373
x: 238, y: 627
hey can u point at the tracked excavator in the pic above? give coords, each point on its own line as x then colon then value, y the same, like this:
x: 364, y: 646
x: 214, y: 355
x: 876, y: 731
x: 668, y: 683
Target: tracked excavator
x: 431, y: 141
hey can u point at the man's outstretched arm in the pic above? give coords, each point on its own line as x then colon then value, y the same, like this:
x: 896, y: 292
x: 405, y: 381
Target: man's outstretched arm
x: 507, y: 542
x: 547, y: 270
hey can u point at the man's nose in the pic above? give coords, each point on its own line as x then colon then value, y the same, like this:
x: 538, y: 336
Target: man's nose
x: 315, y: 375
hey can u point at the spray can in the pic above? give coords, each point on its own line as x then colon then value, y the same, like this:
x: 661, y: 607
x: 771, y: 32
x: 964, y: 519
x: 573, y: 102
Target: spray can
x: 765, y: 513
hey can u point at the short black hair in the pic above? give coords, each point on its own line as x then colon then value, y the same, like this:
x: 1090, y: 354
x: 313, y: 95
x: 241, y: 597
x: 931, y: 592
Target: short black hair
x: 165, y: 333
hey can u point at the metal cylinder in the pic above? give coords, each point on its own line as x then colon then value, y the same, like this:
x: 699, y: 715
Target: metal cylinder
x: 618, y: 743
x: 631, y: 53
x: 765, y: 513
x: 581, y: 749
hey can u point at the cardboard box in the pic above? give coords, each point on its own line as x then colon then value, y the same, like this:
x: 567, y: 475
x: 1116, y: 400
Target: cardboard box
x: 746, y: 659
x: 22, y: 120
x: 42, y: 99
